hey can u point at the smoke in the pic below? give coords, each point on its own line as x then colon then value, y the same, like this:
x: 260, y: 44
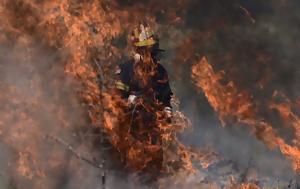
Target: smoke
x: 254, y: 42
x: 252, y: 53
x: 37, y: 99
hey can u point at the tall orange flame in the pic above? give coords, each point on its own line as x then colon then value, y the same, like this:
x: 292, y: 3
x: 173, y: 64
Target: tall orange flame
x: 232, y: 104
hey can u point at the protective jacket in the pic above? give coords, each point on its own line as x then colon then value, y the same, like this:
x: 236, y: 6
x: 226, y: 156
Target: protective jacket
x: 127, y: 83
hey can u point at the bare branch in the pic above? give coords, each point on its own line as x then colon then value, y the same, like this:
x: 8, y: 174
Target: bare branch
x: 71, y: 149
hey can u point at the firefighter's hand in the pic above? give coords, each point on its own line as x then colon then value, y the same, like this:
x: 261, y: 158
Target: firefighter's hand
x: 137, y: 57
x: 168, y: 112
x: 131, y: 99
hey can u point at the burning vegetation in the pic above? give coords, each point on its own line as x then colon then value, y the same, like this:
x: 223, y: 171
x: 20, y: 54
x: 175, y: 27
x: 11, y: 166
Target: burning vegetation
x: 61, y: 122
x: 237, y: 106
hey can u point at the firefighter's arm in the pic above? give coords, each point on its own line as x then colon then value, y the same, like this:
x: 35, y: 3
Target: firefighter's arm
x: 120, y: 82
x: 167, y: 99
x: 165, y: 91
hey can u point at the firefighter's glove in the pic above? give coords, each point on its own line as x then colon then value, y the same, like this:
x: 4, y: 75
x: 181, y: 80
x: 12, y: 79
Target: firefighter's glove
x: 137, y: 57
x: 168, y: 112
x: 131, y: 99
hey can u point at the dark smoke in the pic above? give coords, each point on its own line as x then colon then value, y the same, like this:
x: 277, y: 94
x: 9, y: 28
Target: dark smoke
x: 261, y: 46
x: 253, y: 42
x: 247, y: 52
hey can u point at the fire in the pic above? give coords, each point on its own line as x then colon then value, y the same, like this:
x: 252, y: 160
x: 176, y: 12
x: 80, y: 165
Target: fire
x: 237, y: 106
x: 139, y: 154
x: 82, y: 34
x: 27, y: 166
x: 225, y: 100
x: 290, y: 119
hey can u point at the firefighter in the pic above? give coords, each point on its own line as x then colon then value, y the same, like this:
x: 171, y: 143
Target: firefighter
x: 143, y: 74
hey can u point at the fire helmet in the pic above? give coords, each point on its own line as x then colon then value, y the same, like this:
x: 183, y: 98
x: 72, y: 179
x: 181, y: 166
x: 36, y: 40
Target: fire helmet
x: 143, y: 36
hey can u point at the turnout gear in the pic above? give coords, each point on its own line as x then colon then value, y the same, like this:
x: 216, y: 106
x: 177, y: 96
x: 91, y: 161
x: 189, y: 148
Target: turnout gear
x: 143, y: 73
x: 144, y: 83
x: 158, y: 84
